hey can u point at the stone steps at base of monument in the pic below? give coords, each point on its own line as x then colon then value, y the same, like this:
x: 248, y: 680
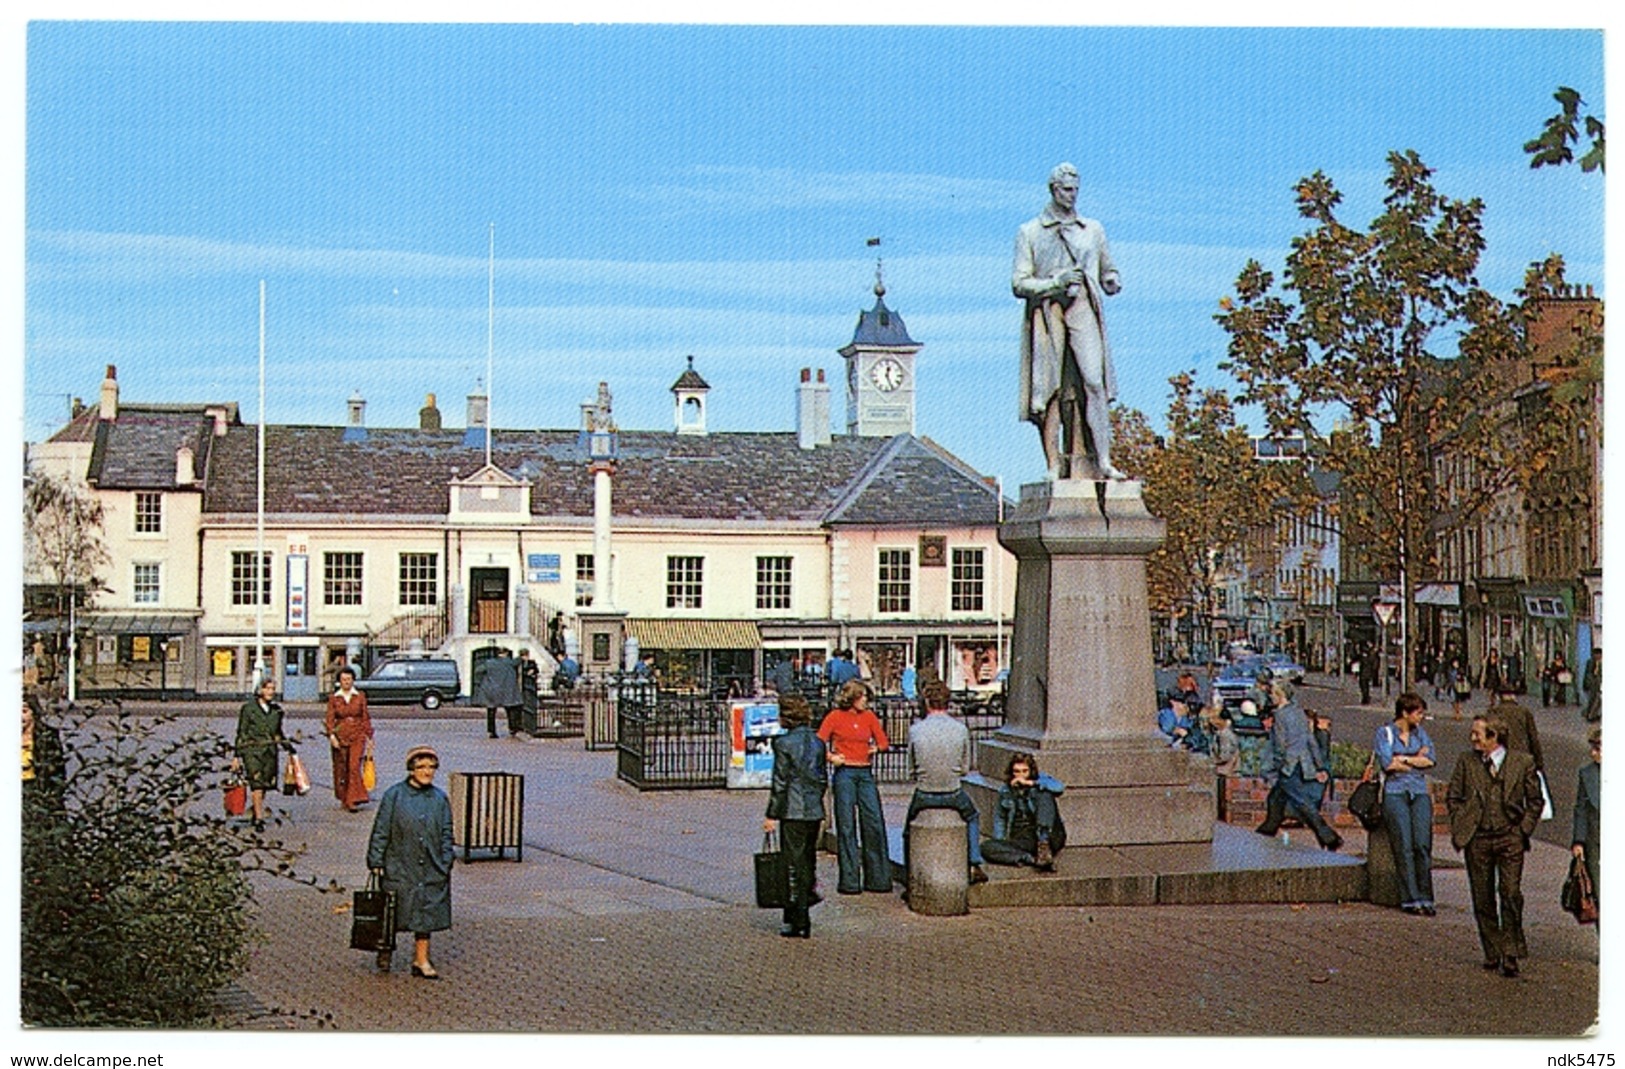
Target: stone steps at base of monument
x: 1237, y: 866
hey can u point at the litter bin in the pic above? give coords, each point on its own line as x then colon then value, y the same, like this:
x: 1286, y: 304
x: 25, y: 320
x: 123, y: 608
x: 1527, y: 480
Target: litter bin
x: 488, y: 812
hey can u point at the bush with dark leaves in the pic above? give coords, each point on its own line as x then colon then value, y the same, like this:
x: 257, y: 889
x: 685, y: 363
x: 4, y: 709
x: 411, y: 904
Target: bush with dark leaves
x: 136, y: 892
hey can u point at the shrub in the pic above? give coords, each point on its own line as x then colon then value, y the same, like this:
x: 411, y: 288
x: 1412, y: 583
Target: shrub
x: 136, y: 897
x: 1348, y: 758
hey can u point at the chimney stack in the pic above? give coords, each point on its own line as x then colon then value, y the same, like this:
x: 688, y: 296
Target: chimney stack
x: 109, y: 408
x: 812, y: 410
x: 355, y: 430
x: 218, y: 414
x: 429, y: 415
x: 479, y: 411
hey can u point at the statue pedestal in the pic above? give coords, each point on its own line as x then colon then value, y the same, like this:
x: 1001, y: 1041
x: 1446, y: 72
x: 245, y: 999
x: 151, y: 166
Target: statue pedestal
x: 1082, y: 695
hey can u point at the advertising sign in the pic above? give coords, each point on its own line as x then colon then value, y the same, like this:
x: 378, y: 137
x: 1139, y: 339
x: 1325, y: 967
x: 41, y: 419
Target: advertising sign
x: 541, y: 567
x: 752, y: 726
x: 298, y: 592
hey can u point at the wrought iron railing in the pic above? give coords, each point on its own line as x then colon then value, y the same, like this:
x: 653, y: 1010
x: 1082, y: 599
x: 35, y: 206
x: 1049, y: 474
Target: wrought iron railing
x: 666, y: 741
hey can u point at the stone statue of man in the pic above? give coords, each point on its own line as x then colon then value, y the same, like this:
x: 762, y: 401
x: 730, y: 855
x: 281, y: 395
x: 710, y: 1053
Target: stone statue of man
x: 1064, y: 271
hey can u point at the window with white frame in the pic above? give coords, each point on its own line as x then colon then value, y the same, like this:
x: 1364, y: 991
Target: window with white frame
x: 420, y: 579
x: 894, y: 586
x: 773, y: 582
x: 246, y: 589
x: 685, y: 578
x: 968, y: 580
x: 149, y: 512
x: 586, y: 579
x: 144, y: 583
x: 341, y: 578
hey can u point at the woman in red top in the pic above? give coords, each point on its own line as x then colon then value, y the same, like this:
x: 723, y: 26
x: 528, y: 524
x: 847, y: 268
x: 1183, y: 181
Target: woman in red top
x: 349, y: 729
x: 854, y: 735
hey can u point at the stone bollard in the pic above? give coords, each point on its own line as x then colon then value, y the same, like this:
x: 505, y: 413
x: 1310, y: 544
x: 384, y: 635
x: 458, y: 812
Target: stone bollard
x: 1382, y: 879
x: 938, y: 873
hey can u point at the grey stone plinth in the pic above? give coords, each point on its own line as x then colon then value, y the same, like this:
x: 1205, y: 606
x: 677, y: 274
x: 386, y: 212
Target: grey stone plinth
x: 1081, y: 666
x: 1082, y: 694
x: 938, y: 876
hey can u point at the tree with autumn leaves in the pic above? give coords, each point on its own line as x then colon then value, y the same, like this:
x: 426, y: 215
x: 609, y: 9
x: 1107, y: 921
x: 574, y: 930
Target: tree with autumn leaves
x: 1202, y: 481
x: 1357, y: 336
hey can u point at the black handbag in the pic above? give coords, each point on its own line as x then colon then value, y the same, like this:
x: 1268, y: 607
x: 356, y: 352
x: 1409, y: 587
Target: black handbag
x: 372, y: 918
x: 1578, y: 898
x: 1365, y: 801
x: 772, y: 875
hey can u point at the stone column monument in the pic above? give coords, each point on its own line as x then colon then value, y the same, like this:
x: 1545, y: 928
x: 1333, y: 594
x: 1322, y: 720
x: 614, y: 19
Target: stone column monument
x: 1082, y: 695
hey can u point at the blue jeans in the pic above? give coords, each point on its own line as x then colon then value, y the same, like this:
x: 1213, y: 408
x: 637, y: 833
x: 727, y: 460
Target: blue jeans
x: 1409, y: 818
x: 862, y: 867
x: 957, y: 800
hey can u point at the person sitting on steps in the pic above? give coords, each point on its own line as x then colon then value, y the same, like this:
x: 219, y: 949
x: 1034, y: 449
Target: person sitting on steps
x: 1027, y: 827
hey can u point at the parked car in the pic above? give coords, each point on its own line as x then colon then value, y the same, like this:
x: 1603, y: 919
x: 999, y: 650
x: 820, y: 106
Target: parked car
x: 1233, y: 683
x: 425, y: 680
x: 1283, y: 667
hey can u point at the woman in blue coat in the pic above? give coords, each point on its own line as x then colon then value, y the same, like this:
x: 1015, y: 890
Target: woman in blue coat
x: 410, y: 850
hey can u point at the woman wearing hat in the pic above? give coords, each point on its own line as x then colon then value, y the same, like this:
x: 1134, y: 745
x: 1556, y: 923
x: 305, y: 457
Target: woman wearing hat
x: 410, y: 850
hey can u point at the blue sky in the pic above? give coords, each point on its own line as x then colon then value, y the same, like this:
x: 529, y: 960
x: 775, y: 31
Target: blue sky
x: 659, y: 191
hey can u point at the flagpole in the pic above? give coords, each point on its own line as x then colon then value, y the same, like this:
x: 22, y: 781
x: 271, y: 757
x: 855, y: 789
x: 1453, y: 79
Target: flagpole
x: 998, y: 575
x: 259, y: 520
x: 490, y: 335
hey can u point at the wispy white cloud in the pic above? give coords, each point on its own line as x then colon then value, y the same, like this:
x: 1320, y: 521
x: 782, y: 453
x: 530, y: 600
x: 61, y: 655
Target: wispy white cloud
x: 759, y: 189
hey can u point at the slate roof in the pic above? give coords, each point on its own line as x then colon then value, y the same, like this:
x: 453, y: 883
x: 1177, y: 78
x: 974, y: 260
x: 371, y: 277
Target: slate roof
x: 137, y: 450
x: 881, y: 326
x: 741, y: 477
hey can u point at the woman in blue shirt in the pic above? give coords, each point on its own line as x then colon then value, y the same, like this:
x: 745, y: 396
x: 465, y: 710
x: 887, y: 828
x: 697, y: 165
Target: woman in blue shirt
x: 1404, y: 753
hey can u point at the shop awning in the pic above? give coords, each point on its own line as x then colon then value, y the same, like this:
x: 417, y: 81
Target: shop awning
x: 133, y: 624
x: 657, y: 634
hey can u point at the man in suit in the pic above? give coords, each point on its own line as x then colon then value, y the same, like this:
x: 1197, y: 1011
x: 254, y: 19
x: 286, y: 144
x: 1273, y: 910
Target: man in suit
x: 1495, y: 802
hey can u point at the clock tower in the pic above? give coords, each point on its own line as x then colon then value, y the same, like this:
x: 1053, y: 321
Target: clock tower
x: 880, y: 372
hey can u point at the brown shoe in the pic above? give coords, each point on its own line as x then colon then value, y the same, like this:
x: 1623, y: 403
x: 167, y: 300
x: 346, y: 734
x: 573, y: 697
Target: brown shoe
x: 384, y: 957
x: 977, y: 875
x: 1044, y: 860
x: 1509, y: 968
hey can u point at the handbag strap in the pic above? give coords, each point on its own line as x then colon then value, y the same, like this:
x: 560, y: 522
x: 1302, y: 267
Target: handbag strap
x: 770, y: 843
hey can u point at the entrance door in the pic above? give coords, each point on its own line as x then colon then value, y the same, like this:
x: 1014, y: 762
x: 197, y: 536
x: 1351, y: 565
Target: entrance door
x: 488, y: 608
x: 300, y: 683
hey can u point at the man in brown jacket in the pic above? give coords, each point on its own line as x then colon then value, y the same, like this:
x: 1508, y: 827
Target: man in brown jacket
x: 1494, y: 800
x: 1521, y: 731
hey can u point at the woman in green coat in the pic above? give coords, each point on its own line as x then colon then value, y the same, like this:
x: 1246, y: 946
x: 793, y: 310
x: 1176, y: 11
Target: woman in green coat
x: 259, y: 733
x: 410, y: 850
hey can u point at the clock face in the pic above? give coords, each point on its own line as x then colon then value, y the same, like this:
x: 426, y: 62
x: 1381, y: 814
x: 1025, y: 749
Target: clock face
x: 886, y: 374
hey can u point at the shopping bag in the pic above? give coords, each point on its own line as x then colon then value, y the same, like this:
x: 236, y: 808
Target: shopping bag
x: 1578, y: 898
x: 290, y: 785
x: 369, y: 771
x: 1545, y: 796
x: 236, y: 798
x: 772, y: 875
x: 372, y: 917
x: 297, y: 773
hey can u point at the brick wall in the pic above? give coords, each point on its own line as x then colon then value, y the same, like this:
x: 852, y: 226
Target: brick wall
x: 1246, y: 795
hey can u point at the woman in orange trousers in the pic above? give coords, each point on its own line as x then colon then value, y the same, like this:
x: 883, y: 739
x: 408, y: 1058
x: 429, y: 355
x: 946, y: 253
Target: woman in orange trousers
x: 349, y: 730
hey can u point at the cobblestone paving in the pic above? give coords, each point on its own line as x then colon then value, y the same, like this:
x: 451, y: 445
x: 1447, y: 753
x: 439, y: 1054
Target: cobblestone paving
x: 631, y: 913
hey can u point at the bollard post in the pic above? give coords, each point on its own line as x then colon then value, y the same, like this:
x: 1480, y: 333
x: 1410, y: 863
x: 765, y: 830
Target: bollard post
x: 938, y: 872
x: 1382, y: 879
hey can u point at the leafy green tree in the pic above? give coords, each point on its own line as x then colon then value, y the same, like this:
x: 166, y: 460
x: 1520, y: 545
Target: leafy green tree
x: 1555, y: 145
x: 136, y: 892
x: 1355, y: 336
